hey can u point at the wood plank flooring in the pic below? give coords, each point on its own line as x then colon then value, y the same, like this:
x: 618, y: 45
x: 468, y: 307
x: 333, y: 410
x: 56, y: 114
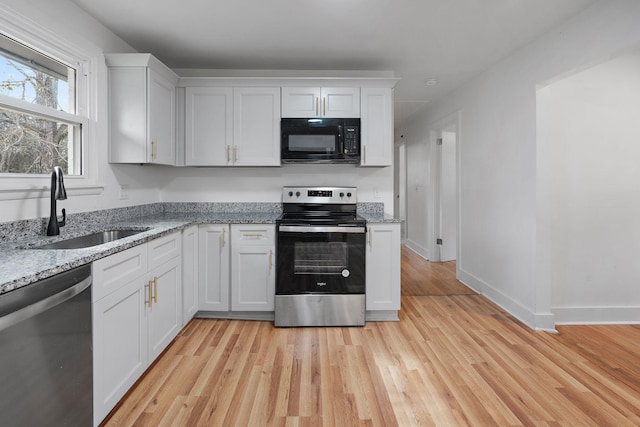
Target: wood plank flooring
x: 451, y: 360
x: 421, y: 277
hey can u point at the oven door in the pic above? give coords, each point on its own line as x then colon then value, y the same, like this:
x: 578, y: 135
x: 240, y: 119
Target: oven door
x: 320, y: 260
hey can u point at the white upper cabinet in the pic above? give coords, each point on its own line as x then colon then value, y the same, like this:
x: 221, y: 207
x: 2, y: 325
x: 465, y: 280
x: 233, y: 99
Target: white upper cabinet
x: 256, y: 126
x: 376, y: 127
x: 226, y: 126
x: 303, y: 102
x: 208, y: 126
x: 142, y: 109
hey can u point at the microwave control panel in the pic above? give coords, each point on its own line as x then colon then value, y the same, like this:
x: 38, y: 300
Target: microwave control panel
x: 351, y: 140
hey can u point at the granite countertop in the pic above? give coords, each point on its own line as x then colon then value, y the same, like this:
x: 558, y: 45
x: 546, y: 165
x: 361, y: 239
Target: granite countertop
x: 21, y: 264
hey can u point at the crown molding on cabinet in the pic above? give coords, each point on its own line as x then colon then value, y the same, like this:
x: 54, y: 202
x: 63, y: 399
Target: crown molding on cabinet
x: 372, y: 82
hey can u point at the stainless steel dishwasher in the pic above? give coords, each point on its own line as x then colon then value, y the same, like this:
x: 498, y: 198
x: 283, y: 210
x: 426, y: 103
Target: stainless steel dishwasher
x: 46, y: 365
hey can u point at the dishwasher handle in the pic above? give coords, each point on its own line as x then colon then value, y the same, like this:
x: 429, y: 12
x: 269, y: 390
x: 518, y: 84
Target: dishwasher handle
x: 31, y: 302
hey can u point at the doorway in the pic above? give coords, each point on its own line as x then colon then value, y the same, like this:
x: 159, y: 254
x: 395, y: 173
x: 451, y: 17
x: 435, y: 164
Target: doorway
x: 445, y: 189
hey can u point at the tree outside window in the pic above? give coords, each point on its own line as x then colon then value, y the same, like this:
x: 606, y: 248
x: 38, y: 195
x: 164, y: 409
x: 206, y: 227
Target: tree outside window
x: 37, y: 97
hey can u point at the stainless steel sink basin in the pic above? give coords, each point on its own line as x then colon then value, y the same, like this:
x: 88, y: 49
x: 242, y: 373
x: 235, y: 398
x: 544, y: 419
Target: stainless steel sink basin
x: 89, y: 240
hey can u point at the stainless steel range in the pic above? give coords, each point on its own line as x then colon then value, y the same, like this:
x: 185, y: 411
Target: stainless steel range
x: 320, y: 255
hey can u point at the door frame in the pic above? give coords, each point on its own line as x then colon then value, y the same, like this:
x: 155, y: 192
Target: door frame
x: 450, y: 123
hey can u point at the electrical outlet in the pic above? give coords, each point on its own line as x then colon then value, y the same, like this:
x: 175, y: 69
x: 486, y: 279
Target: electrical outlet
x: 376, y: 193
x: 124, y: 192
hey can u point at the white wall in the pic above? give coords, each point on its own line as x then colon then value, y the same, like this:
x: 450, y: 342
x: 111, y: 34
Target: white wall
x: 589, y: 126
x: 418, y: 152
x: 77, y: 29
x: 265, y: 184
x: 501, y: 248
x: 147, y: 184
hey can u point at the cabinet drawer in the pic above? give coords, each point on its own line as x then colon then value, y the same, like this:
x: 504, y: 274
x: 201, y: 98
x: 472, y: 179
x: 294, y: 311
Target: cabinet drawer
x: 163, y: 249
x: 253, y: 234
x: 112, y: 272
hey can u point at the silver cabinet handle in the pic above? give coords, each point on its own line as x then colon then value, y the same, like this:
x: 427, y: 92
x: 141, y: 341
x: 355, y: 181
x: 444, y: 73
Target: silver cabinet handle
x: 370, y: 239
x: 223, y: 241
x: 317, y: 101
x: 270, y: 259
x: 228, y: 153
x: 324, y: 106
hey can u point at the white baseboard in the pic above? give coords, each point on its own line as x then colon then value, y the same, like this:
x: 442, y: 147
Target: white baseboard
x: 597, y: 315
x: 538, y: 321
x: 420, y: 250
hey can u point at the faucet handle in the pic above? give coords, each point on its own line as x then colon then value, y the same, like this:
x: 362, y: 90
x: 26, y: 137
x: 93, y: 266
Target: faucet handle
x: 64, y: 218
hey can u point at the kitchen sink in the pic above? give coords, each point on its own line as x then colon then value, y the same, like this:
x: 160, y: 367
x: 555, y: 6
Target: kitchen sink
x: 89, y: 240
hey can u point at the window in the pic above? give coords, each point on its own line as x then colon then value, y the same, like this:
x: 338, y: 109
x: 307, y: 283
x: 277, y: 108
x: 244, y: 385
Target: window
x: 39, y: 124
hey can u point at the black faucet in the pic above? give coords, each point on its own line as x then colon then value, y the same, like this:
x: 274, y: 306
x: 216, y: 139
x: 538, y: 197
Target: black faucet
x: 58, y: 192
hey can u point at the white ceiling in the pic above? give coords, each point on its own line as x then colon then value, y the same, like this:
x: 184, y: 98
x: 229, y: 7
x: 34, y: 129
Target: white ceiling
x: 416, y: 40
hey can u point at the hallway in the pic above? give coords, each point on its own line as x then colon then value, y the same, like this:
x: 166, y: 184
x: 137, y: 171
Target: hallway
x: 423, y: 278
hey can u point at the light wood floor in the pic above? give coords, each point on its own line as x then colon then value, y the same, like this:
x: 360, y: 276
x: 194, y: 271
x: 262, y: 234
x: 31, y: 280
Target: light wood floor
x: 452, y: 360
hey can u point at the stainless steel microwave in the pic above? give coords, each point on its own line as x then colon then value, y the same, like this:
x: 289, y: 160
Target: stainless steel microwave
x: 320, y: 140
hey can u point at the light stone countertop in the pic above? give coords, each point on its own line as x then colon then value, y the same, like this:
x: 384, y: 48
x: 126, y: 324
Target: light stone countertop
x: 21, y: 265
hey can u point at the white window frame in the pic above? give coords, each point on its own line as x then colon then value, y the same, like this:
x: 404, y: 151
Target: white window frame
x: 35, y: 36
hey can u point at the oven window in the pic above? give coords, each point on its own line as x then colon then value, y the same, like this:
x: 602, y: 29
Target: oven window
x: 320, y: 144
x: 320, y: 257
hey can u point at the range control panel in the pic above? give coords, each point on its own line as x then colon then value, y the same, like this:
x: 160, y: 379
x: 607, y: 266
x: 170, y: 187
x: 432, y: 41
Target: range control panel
x: 332, y: 195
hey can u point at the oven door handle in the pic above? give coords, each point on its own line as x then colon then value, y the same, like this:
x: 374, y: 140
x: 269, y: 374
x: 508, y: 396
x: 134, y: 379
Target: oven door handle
x: 323, y: 229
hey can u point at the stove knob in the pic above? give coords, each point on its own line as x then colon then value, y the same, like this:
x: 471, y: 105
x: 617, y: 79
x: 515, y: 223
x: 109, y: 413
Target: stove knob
x: 348, y: 194
x: 341, y: 194
x: 290, y: 193
x: 297, y: 194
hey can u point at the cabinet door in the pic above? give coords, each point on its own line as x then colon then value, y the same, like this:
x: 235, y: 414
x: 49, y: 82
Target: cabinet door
x: 377, y: 127
x: 304, y: 102
x: 253, y: 267
x: 256, y: 126
x: 189, y: 273
x: 119, y: 345
x: 165, y: 312
x: 253, y: 278
x: 340, y: 102
x: 208, y: 126
x: 213, y: 278
x: 300, y: 102
x: 161, y: 117
x: 383, y: 267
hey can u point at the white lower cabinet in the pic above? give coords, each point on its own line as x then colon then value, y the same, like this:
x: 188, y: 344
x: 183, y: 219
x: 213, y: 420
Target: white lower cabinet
x: 236, y: 267
x: 190, y: 274
x: 213, y: 278
x: 119, y: 345
x: 165, y: 310
x: 383, y: 267
x: 134, y: 318
x: 253, y: 275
